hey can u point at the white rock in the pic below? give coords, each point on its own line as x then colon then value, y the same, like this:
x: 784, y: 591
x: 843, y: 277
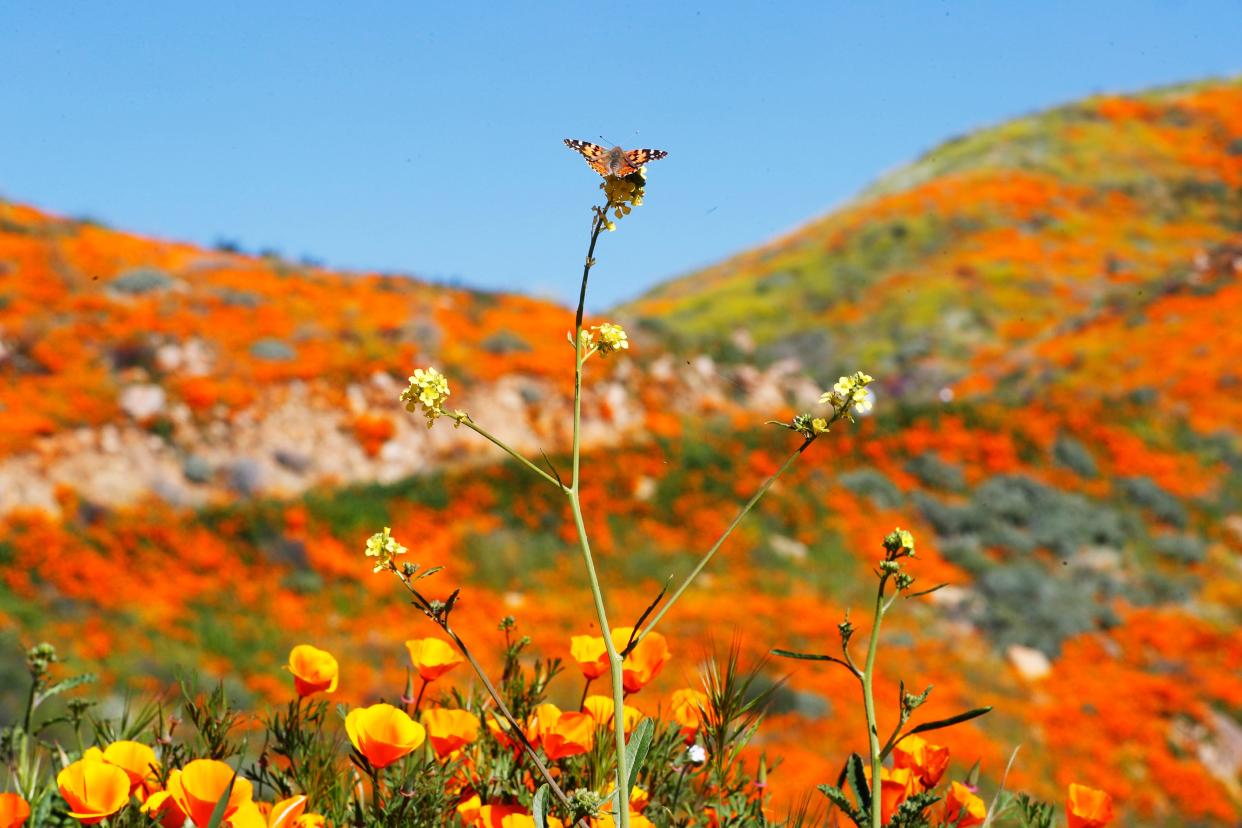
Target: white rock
x: 1030, y: 663
x: 142, y: 402
x: 788, y: 548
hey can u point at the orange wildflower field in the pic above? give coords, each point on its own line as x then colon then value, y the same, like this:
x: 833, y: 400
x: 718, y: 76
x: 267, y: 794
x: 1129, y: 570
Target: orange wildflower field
x: 197, y: 444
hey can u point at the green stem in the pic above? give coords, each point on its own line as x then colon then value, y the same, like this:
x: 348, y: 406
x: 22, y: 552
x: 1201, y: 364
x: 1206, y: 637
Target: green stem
x: 703, y: 561
x: 516, y: 728
x: 418, y: 701
x: 30, y: 703
x: 873, y: 734
x: 477, y: 429
x: 597, y: 595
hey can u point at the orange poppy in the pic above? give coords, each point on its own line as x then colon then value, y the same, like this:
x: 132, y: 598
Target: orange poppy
x: 601, y: 709
x: 93, y: 789
x: 14, y: 811
x: 573, y: 733
x: 1087, y: 807
x: 687, y: 707
x: 963, y: 805
x: 432, y: 657
x: 383, y: 733
x: 201, y: 784
x: 450, y: 730
x: 136, y: 759
x: 926, y: 761
x: 314, y: 670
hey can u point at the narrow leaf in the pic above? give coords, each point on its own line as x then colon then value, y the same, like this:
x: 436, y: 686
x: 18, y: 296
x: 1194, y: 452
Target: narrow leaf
x: 926, y: 591
x: 217, y: 813
x: 636, y: 752
x: 949, y: 722
x: 539, y: 806
x: 803, y: 656
x: 858, y: 782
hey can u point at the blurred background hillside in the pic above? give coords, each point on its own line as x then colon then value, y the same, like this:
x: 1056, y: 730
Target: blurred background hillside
x: 197, y: 438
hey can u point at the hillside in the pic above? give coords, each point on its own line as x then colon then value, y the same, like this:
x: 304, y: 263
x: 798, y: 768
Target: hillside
x: 1049, y: 306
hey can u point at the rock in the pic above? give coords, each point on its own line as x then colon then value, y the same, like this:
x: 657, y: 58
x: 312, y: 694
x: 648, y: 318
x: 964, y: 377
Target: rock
x: 196, y: 469
x: 245, y: 477
x: 294, y: 461
x: 1030, y: 663
x: 788, y: 548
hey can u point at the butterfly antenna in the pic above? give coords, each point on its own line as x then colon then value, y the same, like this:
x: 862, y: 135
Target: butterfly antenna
x: 606, y: 141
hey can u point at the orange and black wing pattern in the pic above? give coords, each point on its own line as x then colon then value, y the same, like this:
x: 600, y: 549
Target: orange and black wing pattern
x: 615, y: 161
x: 594, y: 154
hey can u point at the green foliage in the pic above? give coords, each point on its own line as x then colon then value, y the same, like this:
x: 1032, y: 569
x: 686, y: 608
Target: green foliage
x: 273, y: 350
x: 1147, y: 494
x: 873, y: 485
x: 1026, y: 604
x: 141, y: 281
x: 1075, y: 456
x: 934, y: 472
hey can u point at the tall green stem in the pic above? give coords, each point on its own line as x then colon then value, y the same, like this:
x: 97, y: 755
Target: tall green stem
x: 873, y: 733
x: 614, y: 658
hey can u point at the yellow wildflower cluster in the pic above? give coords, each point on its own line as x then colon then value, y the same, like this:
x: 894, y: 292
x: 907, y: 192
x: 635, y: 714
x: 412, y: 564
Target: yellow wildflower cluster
x: 850, y: 391
x: 428, y: 388
x: 623, y: 193
x: 384, y: 547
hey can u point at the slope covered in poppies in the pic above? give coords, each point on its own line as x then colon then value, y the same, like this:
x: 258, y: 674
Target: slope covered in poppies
x: 1048, y: 307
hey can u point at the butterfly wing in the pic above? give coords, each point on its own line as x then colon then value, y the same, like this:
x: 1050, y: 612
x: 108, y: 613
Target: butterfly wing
x: 638, y: 158
x: 594, y: 154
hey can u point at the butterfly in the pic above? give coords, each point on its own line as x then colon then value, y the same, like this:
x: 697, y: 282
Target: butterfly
x: 615, y: 161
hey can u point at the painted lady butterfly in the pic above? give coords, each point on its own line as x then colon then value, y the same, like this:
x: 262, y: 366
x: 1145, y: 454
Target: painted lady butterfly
x: 615, y: 161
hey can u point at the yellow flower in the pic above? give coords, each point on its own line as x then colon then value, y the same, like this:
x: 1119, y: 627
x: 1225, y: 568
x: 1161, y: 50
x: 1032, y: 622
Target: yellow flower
x: 384, y: 546
x: 850, y: 391
x: 610, y: 337
x: 429, y: 389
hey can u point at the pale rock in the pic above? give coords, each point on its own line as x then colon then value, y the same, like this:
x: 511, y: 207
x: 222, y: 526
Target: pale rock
x: 383, y: 381
x: 142, y: 402
x: 1030, y: 663
x: 109, y: 439
x: 788, y: 548
x: 1098, y: 559
x: 644, y: 488
x: 169, y: 357
x: 662, y: 369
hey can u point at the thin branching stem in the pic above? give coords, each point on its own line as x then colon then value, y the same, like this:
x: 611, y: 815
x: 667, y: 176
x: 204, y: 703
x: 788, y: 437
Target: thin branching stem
x: 707, y: 556
x: 597, y: 595
x: 422, y: 603
x: 464, y: 419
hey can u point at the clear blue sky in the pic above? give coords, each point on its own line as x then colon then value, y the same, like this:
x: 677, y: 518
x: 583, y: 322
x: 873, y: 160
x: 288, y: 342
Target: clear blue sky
x: 426, y: 137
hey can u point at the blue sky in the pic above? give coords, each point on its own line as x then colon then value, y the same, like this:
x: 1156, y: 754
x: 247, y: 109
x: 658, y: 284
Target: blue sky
x: 426, y: 137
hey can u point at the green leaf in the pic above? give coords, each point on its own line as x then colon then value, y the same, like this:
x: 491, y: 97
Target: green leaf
x: 910, y: 813
x: 972, y: 775
x: 949, y: 722
x: 803, y: 656
x: 217, y: 814
x: 842, y: 801
x: 636, y: 752
x: 858, y: 782
x: 539, y: 806
x: 67, y: 684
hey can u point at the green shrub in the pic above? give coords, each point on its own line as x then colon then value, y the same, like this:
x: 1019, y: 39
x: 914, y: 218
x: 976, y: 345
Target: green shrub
x: 141, y: 280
